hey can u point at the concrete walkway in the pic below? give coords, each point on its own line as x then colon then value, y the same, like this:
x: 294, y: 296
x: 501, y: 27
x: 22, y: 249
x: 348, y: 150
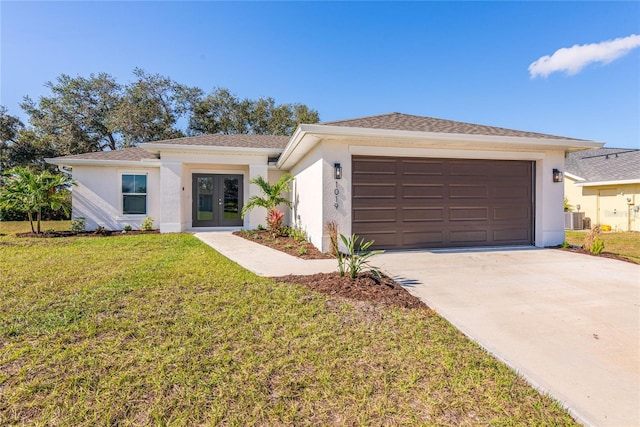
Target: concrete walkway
x: 260, y: 259
x: 568, y: 323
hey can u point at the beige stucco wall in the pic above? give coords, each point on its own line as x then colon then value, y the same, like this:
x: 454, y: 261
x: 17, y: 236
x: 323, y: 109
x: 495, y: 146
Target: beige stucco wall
x: 315, y: 186
x: 606, y: 204
x: 98, y: 196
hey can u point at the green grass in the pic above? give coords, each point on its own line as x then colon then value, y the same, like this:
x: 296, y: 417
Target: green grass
x: 625, y: 244
x: 163, y: 330
x: 12, y: 227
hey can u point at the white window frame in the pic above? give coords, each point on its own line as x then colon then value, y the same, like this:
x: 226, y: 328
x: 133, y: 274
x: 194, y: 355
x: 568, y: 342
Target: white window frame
x: 122, y: 194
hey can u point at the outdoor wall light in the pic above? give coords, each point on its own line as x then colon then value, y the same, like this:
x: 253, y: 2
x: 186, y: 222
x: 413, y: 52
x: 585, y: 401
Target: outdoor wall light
x: 557, y: 175
x: 337, y: 171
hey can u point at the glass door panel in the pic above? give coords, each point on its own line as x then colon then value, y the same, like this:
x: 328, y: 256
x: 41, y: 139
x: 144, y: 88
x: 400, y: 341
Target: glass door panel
x: 217, y: 200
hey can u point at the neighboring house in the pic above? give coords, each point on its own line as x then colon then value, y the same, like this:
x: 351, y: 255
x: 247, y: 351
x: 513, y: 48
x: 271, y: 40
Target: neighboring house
x: 605, y: 184
x: 406, y: 181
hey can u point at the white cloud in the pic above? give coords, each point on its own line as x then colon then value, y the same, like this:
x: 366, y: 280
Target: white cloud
x: 573, y: 59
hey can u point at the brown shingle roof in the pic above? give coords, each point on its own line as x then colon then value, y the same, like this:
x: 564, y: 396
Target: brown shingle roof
x: 236, y: 140
x: 127, y: 154
x: 408, y: 122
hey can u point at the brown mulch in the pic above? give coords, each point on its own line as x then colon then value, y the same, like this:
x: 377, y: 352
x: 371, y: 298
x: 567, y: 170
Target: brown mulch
x: 286, y: 244
x: 105, y: 233
x: 602, y: 255
x: 366, y: 287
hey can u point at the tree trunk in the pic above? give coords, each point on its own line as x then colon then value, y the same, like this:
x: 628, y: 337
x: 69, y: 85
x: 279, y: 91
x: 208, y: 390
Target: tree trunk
x: 39, y: 216
x: 30, y: 216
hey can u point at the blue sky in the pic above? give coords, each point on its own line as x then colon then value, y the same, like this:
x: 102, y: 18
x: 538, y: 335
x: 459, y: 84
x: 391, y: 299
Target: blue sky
x: 466, y: 61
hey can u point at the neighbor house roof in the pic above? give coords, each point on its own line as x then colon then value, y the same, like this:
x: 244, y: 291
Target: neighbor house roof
x: 604, y: 165
x: 408, y: 122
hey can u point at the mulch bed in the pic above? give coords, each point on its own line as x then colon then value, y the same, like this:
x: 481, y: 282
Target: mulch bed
x: 602, y: 255
x: 366, y: 287
x: 284, y: 244
x: 105, y: 233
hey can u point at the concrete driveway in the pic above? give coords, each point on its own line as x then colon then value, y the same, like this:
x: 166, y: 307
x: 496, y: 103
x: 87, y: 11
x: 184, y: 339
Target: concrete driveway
x: 569, y: 323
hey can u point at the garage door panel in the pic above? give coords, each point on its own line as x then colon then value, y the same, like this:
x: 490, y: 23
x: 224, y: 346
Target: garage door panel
x: 511, y: 234
x: 422, y: 191
x: 374, y: 215
x: 378, y: 166
x: 382, y: 238
x: 422, y: 203
x: 419, y: 239
x: 423, y: 167
x: 510, y: 213
x: 511, y: 191
x: 468, y: 214
x: 468, y: 168
x: 468, y: 191
x: 423, y: 215
x: 379, y: 191
x: 466, y: 237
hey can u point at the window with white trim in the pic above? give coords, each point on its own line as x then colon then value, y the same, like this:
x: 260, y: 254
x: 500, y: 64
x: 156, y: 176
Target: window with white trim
x: 134, y: 194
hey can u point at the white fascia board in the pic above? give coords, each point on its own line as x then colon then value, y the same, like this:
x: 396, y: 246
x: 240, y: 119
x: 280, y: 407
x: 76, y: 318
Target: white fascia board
x: 599, y: 183
x: 300, y: 140
x: 573, y: 177
x: 156, y: 148
x: 154, y: 163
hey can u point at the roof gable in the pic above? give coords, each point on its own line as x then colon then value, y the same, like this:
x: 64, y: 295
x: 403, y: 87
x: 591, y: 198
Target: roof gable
x: 277, y: 142
x: 408, y: 122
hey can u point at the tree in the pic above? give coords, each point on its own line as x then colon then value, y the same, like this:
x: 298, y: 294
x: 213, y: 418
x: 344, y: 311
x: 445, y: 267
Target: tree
x: 31, y: 192
x: 223, y: 112
x: 10, y: 128
x: 150, y: 108
x: 271, y: 199
x: 77, y: 116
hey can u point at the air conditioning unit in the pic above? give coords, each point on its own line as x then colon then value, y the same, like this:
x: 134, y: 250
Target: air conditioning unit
x: 573, y: 220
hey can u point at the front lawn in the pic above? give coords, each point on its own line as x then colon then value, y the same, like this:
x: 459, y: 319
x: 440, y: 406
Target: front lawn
x: 12, y: 227
x: 626, y: 244
x: 162, y: 330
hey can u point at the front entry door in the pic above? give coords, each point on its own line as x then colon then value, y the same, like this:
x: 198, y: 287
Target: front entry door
x: 217, y: 200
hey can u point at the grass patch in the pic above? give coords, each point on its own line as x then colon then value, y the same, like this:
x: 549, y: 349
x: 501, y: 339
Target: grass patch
x: 163, y: 330
x: 625, y: 244
x: 13, y: 227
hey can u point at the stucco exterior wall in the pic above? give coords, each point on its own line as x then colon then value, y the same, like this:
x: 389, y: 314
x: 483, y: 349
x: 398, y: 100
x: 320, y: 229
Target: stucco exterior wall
x: 308, y: 196
x: 98, y: 196
x: 613, y: 205
x: 314, y: 174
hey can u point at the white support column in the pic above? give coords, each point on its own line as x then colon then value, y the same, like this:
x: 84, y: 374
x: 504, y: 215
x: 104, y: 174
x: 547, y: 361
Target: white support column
x: 171, y: 197
x: 256, y: 216
x: 549, y: 214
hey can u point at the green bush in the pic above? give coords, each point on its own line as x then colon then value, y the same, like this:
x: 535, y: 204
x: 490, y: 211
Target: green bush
x: 79, y: 224
x: 597, y: 247
x: 147, y: 224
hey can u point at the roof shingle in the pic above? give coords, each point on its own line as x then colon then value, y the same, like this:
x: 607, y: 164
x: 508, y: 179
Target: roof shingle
x: 236, y: 140
x: 604, y: 164
x: 124, y: 154
x: 408, y: 122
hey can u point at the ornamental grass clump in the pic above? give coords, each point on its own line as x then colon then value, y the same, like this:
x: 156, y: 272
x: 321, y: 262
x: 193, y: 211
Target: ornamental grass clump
x: 592, y: 242
x: 356, y: 259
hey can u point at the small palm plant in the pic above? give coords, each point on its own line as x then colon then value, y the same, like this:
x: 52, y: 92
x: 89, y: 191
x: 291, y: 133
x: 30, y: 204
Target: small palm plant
x: 356, y: 259
x: 31, y: 192
x: 272, y: 197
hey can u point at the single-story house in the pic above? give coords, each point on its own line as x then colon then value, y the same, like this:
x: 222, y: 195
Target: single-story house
x: 604, y: 183
x: 404, y: 181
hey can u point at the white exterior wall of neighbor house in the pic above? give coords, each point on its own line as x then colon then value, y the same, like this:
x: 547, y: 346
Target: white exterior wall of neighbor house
x: 98, y: 196
x: 606, y: 204
x: 314, y: 172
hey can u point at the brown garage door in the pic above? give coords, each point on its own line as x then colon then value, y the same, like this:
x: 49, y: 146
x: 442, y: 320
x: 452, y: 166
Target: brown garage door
x: 435, y: 203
